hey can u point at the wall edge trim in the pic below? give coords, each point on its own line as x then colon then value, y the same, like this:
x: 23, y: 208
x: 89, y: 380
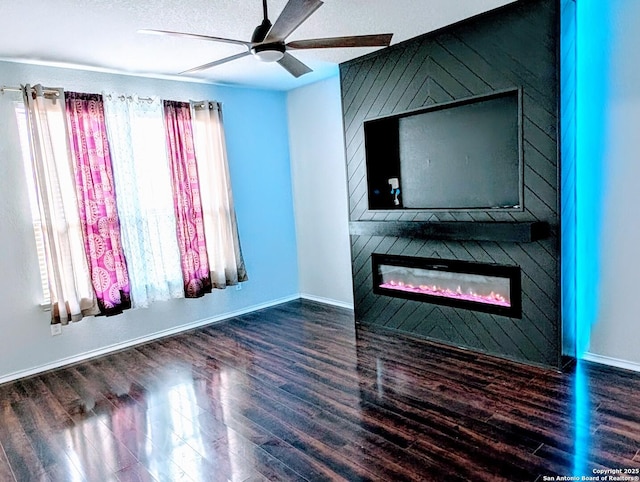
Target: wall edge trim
x: 327, y: 301
x: 610, y: 361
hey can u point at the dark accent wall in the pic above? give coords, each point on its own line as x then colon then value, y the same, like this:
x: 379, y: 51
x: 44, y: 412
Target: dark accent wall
x: 512, y: 47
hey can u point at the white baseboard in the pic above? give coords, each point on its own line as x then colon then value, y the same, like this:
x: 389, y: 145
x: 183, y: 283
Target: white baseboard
x: 143, y: 339
x: 327, y: 301
x: 614, y: 362
x: 592, y: 357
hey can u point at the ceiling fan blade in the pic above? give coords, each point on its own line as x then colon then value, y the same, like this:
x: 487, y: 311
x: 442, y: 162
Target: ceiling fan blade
x: 293, y: 65
x: 293, y: 14
x: 381, y: 40
x: 215, y: 62
x: 194, y: 36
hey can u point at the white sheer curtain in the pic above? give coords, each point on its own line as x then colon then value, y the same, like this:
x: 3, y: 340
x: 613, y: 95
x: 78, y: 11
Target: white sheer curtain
x: 72, y: 295
x: 221, y: 231
x: 144, y: 197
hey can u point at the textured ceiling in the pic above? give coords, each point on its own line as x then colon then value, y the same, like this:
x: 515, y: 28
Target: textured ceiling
x: 101, y: 34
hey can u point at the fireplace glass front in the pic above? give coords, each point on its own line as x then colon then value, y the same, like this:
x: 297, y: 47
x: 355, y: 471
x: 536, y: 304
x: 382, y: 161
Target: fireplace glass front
x: 482, y: 287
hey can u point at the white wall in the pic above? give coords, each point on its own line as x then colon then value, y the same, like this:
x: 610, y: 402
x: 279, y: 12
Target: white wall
x: 320, y: 191
x: 616, y: 333
x: 258, y: 146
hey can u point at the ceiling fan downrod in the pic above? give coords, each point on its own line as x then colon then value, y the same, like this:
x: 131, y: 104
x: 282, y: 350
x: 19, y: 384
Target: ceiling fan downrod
x: 262, y: 30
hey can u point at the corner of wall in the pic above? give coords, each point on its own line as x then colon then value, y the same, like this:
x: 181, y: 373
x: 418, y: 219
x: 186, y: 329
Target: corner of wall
x: 319, y: 190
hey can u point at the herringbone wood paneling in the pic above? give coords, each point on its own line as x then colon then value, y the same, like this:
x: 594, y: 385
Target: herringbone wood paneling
x: 513, y: 47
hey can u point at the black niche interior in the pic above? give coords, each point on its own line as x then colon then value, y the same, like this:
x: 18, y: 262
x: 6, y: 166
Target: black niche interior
x: 509, y: 54
x: 464, y: 154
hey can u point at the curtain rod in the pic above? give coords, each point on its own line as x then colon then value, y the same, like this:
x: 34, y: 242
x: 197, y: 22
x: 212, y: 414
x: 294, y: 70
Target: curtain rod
x: 203, y: 104
x: 47, y: 90
x: 55, y: 91
x: 4, y: 89
x: 200, y: 104
x: 129, y: 97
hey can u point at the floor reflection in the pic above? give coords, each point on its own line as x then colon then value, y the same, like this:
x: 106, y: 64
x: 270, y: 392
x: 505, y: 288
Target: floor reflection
x: 177, y: 428
x: 174, y: 440
x: 582, y: 421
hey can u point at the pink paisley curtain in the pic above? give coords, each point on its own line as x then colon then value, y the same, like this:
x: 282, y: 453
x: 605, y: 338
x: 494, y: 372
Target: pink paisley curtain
x: 186, y: 195
x: 97, y: 201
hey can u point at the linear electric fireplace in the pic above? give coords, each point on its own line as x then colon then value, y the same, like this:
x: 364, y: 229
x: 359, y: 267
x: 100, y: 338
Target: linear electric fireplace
x: 489, y: 288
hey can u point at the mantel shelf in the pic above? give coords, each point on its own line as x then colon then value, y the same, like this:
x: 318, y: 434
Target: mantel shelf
x: 516, y: 232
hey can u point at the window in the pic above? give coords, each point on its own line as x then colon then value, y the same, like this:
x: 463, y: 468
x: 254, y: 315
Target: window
x: 109, y: 197
x: 23, y: 130
x: 145, y: 199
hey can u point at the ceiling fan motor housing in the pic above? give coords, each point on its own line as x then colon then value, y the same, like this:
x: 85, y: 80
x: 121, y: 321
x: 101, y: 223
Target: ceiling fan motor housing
x: 271, y: 52
x: 261, y: 31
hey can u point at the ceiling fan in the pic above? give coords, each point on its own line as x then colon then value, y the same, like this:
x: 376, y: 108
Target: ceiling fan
x: 268, y: 40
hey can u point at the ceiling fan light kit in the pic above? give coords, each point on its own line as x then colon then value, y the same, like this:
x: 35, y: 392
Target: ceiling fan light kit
x: 268, y: 41
x: 268, y: 52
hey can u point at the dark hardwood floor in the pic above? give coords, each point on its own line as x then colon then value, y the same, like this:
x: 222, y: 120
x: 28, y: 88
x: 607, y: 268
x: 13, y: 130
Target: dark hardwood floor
x: 292, y: 393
